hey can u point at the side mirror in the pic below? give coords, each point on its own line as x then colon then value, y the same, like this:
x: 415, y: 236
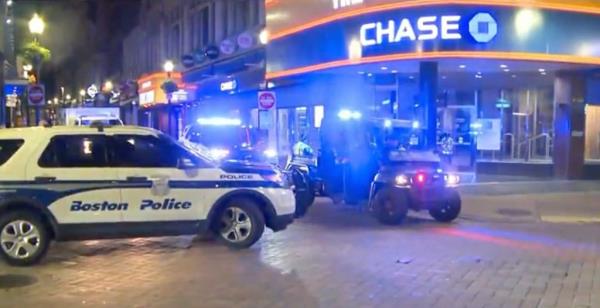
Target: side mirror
x: 186, y: 164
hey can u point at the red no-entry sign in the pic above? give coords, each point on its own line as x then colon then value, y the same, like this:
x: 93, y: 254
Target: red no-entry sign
x: 35, y: 95
x: 266, y: 100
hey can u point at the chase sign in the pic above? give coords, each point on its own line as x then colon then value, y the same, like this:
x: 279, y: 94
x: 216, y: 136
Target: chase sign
x: 483, y: 28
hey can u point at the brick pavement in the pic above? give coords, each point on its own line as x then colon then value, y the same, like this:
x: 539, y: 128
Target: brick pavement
x: 336, y: 257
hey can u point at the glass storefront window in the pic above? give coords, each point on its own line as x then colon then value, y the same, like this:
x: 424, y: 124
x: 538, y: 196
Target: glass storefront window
x: 527, y: 117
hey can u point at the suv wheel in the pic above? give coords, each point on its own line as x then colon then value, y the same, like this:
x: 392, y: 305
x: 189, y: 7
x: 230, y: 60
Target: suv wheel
x: 24, y: 238
x: 390, y: 207
x: 240, y: 223
x: 449, y: 210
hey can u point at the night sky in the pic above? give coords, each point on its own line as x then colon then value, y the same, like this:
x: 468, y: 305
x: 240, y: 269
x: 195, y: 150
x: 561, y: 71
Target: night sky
x: 74, y: 34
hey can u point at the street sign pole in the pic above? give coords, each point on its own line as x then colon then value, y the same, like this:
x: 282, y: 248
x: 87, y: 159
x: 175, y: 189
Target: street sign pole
x: 2, y: 98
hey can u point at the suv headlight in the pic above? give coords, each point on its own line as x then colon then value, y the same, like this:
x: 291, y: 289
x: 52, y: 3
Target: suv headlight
x: 219, y: 153
x: 279, y: 178
x: 270, y: 153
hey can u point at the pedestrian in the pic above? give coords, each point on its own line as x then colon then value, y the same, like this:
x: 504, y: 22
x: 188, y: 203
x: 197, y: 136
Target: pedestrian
x: 447, y: 148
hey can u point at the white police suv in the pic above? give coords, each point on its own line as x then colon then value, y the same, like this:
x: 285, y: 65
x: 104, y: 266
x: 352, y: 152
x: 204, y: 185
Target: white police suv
x: 75, y: 183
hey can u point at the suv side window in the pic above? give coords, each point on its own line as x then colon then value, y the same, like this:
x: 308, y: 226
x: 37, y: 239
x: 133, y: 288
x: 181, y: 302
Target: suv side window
x: 138, y: 151
x: 75, y: 151
x: 8, y: 148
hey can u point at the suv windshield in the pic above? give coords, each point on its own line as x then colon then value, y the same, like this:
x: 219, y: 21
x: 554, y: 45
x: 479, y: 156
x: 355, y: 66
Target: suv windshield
x: 219, y: 136
x: 8, y: 148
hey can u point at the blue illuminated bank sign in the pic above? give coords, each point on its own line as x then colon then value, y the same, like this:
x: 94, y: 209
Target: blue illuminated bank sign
x: 482, y: 27
x: 428, y: 29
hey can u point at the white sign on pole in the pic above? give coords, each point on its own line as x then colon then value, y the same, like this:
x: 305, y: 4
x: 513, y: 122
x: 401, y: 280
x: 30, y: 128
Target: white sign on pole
x: 11, y: 100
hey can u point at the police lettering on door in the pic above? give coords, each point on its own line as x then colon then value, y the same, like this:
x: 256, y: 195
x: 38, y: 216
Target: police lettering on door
x: 168, y: 204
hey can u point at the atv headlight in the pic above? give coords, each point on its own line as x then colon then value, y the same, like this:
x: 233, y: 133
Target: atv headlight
x: 452, y: 179
x: 402, y: 180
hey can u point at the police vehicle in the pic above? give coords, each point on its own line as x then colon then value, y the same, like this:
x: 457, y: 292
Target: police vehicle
x: 75, y: 183
x: 227, y: 139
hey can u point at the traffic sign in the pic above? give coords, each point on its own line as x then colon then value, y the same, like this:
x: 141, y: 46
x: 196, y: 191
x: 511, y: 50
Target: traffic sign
x: 92, y: 90
x: 35, y: 95
x: 266, y: 100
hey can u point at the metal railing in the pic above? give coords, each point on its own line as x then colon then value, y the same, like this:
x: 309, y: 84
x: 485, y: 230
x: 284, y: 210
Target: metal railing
x: 531, y: 143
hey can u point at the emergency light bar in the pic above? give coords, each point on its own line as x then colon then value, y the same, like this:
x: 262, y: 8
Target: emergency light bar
x: 346, y: 114
x: 220, y: 121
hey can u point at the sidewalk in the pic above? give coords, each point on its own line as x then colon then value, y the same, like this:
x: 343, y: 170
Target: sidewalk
x: 533, y: 201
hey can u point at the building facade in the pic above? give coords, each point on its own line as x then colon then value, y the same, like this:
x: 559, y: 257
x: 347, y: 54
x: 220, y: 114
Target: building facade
x: 192, y: 35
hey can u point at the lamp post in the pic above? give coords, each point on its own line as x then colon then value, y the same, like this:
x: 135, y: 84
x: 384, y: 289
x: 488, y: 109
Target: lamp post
x: 82, y: 96
x: 36, y: 28
x: 169, y: 66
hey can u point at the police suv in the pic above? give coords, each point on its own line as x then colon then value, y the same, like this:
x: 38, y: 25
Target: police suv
x: 76, y: 183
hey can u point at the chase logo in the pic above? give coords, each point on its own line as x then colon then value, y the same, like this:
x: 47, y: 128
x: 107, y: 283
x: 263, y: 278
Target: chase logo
x: 483, y: 27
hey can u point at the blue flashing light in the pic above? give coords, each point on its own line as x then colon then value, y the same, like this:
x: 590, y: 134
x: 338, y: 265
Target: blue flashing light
x: 346, y: 115
x: 476, y: 125
x: 219, y: 121
x: 416, y: 124
x: 387, y: 123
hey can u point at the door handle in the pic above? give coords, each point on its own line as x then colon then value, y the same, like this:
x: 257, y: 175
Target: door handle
x: 137, y: 179
x: 45, y: 179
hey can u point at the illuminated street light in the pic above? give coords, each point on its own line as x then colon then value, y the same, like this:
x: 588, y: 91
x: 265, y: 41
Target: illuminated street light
x: 36, y: 25
x: 169, y: 66
x: 56, y: 101
x: 68, y: 97
x: 108, y: 86
x: 527, y: 20
x: 263, y: 37
x: 9, y: 2
x: 82, y: 92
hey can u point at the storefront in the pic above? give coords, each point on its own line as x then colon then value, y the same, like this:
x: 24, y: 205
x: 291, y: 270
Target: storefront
x: 508, y: 83
x: 155, y: 106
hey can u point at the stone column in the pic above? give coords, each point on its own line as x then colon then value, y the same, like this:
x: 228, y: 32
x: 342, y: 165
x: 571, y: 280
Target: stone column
x: 428, y: 89
x: 569, y: 125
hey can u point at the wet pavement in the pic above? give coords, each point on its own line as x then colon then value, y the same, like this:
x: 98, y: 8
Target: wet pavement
x: 335, y: 257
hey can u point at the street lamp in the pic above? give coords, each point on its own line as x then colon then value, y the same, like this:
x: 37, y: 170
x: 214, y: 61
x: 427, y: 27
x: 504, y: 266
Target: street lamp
x: 68, y: 97
x: 36, y: 25
x: 169, y: 66
x: 108, y: 86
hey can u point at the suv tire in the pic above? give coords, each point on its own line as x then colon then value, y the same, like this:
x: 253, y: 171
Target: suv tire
x: 239, y: 224
x: 24, y: 238
x: 390, y: 207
